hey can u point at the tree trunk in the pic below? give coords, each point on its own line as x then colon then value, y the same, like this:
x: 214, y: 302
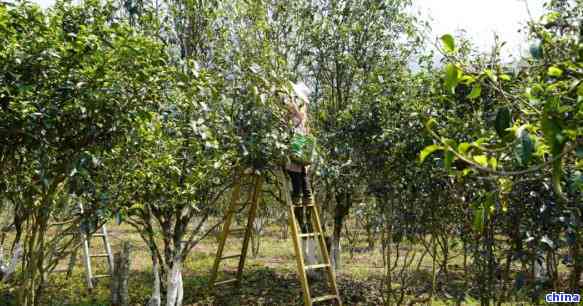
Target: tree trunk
x: 343, y: 203
x: 174, y: 283
x: 577, y: 269
x: 155, y: 300
x: 540, y: 270
x: 335, y: 249
x: 121, y: 273
x: 33, y: 260
x: 310, y: 258
x: 180, y: 294
x: 7, y: 268
x: 370, y: 237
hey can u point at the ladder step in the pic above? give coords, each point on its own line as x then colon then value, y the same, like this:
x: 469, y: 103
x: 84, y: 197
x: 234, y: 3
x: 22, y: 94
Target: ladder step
x: 237, y: 230
x: 324, y: 298
x: 60, y: 270
x: 309, y: 235
x: 231, y: 256
x: 101, y: 276
x: 300, y: 206
x: 319, y: 266
x: 226, y: 282
x: 98, y: 235
x: 100, y: 255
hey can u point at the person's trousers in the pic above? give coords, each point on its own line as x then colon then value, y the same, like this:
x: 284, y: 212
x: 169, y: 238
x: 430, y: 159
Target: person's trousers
x: 301, y: 191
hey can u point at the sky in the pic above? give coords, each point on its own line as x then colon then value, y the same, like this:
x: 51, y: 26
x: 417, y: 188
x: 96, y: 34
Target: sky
x: 479, y: 18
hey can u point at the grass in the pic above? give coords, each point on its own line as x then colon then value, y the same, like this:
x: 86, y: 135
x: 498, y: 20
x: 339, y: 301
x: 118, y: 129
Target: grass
x: 270, y: 278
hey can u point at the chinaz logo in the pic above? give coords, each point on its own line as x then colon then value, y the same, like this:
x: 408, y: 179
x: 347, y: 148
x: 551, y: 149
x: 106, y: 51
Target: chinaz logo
x: 562, y: 297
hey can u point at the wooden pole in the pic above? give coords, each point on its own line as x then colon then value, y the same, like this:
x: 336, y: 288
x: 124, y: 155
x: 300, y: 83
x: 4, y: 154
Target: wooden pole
x: 119, y: 282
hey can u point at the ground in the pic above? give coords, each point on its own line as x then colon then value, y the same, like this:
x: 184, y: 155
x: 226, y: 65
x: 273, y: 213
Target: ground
x: 270, y: 278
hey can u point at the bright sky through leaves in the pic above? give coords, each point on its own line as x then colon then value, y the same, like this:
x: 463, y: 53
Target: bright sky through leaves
x: 480, y: 19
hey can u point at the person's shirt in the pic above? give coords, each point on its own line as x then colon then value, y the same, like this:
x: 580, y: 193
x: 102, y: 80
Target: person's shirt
x: 298, y: 118
x: 299, y: 123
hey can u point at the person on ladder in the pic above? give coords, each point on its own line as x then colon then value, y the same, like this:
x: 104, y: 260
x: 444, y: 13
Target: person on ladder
x: 296, y: 169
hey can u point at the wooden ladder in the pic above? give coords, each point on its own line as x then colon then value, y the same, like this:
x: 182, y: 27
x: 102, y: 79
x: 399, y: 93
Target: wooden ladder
x: 297, y: 237
x: 87, y: 255
x: 235, y: 207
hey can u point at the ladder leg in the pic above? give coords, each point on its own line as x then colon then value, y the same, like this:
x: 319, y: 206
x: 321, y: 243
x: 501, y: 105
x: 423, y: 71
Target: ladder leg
x: 86, y: 255
x: 87, y: 262
x: 294, y: 227
x: 299, y: 256
x: 330, y: 273
x: 226, y: 227
x: 258, y: 182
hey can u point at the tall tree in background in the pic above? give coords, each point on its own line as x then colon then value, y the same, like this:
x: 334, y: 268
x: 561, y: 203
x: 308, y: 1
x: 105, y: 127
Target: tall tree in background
x: 219, y: 114
x: 346, y: 44
x: 73, y: 83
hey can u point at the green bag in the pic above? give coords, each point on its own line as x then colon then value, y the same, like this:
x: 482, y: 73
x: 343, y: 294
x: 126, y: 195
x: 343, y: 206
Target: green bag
x: 303, y: 149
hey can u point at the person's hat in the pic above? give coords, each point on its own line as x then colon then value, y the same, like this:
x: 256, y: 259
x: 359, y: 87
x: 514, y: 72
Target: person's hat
x: 301, y: 91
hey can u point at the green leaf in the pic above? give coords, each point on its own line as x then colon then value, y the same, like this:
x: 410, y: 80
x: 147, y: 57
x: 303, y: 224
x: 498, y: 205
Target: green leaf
x: 464, y: 147
x: 505, y: 77
x: 524, y: 148
x: 430, y: 123
x: 503, y: 121
x: 579, y: 152
x: 551, y: 131
x: 556, y: 178
x: 505, y: 185
x: 450, y: 142
x: 467, y: 79
x: 448, y: 160
x: 490, y: 203
x: 451, y: 77
x: 428, y: 151
x: 482, y: 160
x: 580, y: 90
x: 479, y: 218
x: 536, y: 49
x: 448, y: 43
x: 551, y: 17
x: 491, y: 75
x: 576, y: 181
x: 555, y: 71
x: 476, y: 92
x: 493, y: 163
